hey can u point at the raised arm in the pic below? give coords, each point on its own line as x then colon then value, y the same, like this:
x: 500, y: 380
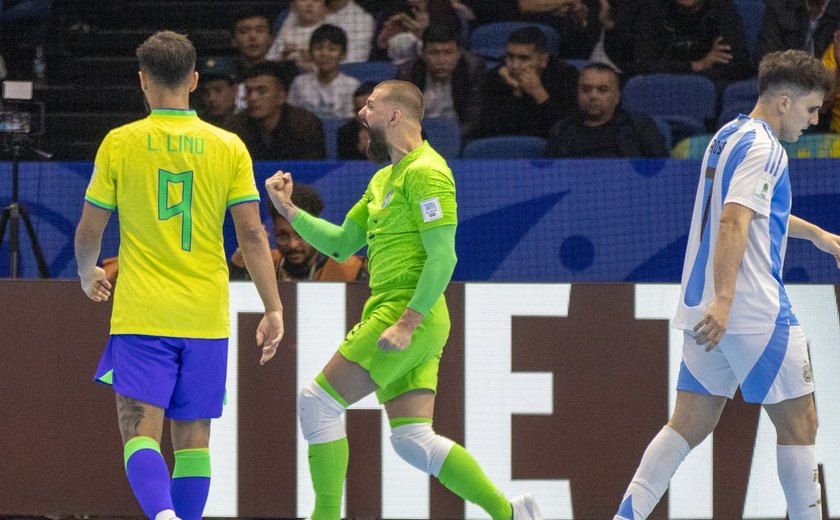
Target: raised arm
x: 338, y: 242
x: 254, y: 244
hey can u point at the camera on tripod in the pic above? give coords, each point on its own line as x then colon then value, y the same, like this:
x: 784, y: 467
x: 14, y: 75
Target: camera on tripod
x: 21, y: 119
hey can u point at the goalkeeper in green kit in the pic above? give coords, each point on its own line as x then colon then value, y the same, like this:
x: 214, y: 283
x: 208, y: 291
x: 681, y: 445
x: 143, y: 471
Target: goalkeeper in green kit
x: 407, y: 218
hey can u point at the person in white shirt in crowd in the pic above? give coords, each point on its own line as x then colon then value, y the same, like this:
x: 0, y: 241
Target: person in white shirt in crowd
x: 327, y: 92
x: 292, y: 40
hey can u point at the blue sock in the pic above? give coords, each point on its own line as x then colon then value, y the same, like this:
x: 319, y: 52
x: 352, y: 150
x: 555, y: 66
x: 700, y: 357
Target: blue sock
x: 148, y: 475
x: 191, y: 482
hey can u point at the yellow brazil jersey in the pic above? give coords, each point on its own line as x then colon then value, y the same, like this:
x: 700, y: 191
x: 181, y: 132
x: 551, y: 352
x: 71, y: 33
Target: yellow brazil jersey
x: 171, y: 177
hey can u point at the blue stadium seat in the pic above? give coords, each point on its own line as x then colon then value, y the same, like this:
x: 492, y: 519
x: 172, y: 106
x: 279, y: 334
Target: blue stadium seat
x: 331, y: 126
x: 738, y: 98
x: 665, y: 130
x: 505, y: 147
x: 578, y: 64
x: 488, y: 40
x: 444, y: 134
x: 375, y: 71
x: 752, y: 16
x: 686, y: 101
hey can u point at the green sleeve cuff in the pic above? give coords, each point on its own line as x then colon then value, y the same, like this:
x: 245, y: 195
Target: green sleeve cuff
x: 439, y: 244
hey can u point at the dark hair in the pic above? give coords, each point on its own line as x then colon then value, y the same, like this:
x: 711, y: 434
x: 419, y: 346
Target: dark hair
x: 283, y: 71
x: 793, y: 69
x: 600, y: 67
x: 365, y: 89
x: 530, y: 35
x: 439, y: 33
x: 245, y: 13
x: 329, y: 33
x: 167, y: 57
x: 304, y: 197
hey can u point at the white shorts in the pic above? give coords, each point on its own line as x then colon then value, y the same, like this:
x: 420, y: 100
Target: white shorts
x: 770, y: 368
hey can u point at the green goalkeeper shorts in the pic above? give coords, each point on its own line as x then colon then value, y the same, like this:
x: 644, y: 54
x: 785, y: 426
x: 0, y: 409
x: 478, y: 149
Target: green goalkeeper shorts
x: 398, y: 372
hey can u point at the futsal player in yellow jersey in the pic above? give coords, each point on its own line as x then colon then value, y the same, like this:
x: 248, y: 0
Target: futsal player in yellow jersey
x: 172, y: 177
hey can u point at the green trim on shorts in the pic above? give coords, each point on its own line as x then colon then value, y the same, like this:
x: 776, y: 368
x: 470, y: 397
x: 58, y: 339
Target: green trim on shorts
x: 192, y: 462
x: 321, y: 380
x: 402, y: 421
x: 139, y: 443
x: 108, y: 377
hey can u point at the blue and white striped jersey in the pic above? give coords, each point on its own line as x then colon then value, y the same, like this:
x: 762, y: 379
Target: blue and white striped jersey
x: 744, y: 164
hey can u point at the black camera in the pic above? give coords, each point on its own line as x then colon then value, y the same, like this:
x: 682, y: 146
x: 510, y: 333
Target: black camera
x: 19, y: 115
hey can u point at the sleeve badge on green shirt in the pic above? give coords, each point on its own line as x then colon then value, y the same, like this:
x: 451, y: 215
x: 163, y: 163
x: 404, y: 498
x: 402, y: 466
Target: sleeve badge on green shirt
x: 431, y: 209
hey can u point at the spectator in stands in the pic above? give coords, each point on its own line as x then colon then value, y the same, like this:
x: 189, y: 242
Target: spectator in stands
x: 830, y: 113
x: 530, y: 91
x: 357, y: 23
x: 601, y: 128
x: 400, y: 28
x: 295, y: 259
x: 807, y: 25
x: 218, y: 89
x: 449, y: 77
x: 327, y: 91
x: 270, y: 127
x: 251, y: 37
x: 576, y: 22
x: 352, y: 139
x: 683, y: 36
x: 292, y: 40
x: 23, y: 25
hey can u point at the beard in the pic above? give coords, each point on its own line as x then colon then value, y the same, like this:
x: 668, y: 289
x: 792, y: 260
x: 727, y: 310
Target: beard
x: 377, y: 149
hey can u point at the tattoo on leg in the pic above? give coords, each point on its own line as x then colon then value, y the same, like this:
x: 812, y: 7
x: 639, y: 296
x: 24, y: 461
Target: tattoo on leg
x: 130, y: 413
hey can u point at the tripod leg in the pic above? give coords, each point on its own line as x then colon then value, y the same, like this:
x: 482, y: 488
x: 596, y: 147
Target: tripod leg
x: 36, y: 246
x: 4, y: 219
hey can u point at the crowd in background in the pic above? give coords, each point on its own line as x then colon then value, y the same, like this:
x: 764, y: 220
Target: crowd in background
x: 557, y: 75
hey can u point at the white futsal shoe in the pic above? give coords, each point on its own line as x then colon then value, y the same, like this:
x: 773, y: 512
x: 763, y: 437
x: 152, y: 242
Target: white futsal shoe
x: 525, y: 508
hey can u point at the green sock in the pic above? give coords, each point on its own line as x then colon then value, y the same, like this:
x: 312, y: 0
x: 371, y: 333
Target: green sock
x: 328, y: 467
x: 462, y: 475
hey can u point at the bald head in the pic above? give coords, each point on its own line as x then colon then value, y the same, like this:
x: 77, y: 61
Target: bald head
x: 405, y: 95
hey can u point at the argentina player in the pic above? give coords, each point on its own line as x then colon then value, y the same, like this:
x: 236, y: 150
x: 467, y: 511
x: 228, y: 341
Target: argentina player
x: 738, y: 322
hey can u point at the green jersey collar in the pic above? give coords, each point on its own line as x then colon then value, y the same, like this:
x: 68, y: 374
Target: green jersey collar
x: 183, y: 112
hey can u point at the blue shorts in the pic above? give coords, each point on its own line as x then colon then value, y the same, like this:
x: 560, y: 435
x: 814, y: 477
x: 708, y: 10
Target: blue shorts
x: 184, y: 376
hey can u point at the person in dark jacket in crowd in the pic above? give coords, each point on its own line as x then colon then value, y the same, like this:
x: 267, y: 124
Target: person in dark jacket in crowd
x: 681, y: 36
x: 449, y: 77
x: 601, y: 128
x: 806, y: 25
x: 530, y: 91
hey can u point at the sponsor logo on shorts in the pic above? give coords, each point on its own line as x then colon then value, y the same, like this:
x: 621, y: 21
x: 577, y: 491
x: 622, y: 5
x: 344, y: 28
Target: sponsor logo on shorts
x: 807, y: 374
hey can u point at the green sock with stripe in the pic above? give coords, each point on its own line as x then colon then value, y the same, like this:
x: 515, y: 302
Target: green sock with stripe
x: 328, y: 467
x: 462, y: 475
